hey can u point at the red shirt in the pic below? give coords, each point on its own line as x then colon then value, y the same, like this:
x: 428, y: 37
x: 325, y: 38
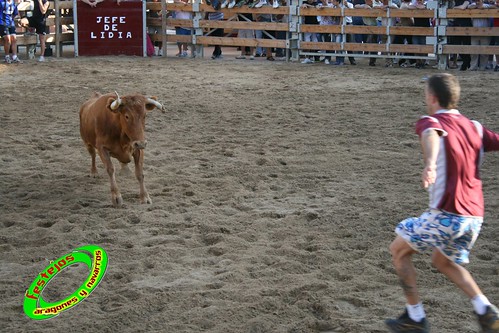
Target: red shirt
x: 458, y: 187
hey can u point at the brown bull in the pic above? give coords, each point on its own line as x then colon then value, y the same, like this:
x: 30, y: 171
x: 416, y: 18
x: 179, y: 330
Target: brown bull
x: 114, y: 126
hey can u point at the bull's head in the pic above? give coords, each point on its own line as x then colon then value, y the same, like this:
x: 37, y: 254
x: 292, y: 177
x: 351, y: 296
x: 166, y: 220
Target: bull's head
x: 132, y: 113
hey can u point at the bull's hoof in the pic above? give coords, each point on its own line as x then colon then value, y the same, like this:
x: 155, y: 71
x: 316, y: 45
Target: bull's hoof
x: 117, y: 201
x: 146, y: 200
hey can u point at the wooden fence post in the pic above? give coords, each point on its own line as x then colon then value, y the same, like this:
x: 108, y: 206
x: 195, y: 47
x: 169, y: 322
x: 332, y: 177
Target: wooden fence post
x: 440, y: 8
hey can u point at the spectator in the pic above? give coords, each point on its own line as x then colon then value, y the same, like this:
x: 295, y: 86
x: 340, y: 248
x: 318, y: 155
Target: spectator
x: 310, y: 36
x: 420, y: 22
x: 347, y: 20
x: 265, y: 34
x: 38, y: 22
x: 358, y: 20
x: 479, y: 61
x: 462, y: 40
x: 405, y: 39
x: 246, y: 33
x: 388, y: 21
x: 372, y: 22
x: 8, y: 11
x: 327, y: 20
x: 155, y: 30
x: 180, y: 31
x: 216, y: 16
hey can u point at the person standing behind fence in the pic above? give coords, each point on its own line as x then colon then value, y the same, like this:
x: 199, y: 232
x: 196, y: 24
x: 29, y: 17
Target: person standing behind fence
x: 420, y: 22
x: 462, y: 40
x: 479, y: 61
x: 38, y: 22
x: 326, y: 20
x: 216, y: 16
x: 246, y: 33
x: 180, y: 31
x: 265, y: 34
x: 8, y: 30
x: 347, y: 20
x: 312, y: 20
x: 372, y: 22
x: 453, y: 147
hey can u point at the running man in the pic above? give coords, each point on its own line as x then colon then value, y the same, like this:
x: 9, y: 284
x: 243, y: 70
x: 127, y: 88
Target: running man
x: 452, y: 148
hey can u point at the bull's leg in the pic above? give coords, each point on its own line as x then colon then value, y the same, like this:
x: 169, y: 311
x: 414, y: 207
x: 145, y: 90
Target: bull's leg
x: 93, y: 169
x: 115, y: 192
x: 138, y: 157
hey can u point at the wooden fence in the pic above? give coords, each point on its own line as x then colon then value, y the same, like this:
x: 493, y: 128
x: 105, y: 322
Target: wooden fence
x: 437, y: 36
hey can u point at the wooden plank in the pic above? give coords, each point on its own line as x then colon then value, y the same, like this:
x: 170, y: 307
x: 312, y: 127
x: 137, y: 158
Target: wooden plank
x: 473, y: 13
x: 412, y: 31
x: 470, y: 49
x: 365, y: 47
x: 325, y: 29
x: 347, y: 46
x: 471, y: 31
x: 409, y: 48
x: 178, y: 23
x: 281, y: 10
x: 420, y: 13
x: 315, y: 46
x: 179, y: 39
x: 51, y: 20
x: 65, y: 37
x: 365, y: 29
x: 229, y: 41
x: 267, y: 26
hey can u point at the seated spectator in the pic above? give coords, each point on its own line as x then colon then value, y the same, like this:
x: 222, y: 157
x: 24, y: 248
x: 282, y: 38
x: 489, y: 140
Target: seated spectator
x: 8, y: 11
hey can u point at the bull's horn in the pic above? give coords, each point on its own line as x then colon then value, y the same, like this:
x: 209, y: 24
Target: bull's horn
x: 116, y: 103
x: 156, y: 103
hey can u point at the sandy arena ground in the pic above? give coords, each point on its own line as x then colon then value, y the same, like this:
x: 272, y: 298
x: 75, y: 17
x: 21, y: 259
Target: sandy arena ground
x: 276, y: 188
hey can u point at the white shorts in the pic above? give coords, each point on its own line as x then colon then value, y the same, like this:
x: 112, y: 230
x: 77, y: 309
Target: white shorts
x: 244, y: 33
x: 453, y: 235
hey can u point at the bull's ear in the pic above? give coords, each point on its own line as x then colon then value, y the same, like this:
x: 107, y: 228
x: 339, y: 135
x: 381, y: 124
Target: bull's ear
x: 113, y: 104
x: 151, y: 103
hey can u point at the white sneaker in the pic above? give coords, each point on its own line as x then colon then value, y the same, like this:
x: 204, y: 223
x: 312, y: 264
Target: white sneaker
x: 326, y: 62
x: 41, y: 59
x: 16, y: 60
x: 275, y: 4
x: 261, y: 3
x: 306, y: 61
x: 232, y: 4
x: 7, y: 59
x: 224, y: 4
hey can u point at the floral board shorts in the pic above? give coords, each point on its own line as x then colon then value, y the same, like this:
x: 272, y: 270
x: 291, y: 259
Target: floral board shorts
x: 453, y: 235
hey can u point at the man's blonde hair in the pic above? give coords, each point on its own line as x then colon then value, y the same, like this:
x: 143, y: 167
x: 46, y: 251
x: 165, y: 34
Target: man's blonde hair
x: 446, y: 88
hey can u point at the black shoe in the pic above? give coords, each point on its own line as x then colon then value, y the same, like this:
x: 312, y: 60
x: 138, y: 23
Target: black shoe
x: 496, y: 69
x: 465, y: 67
x: 407, y: 325
x: 371, y: 63
x: 352, y: 62
x: 489, y: 322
